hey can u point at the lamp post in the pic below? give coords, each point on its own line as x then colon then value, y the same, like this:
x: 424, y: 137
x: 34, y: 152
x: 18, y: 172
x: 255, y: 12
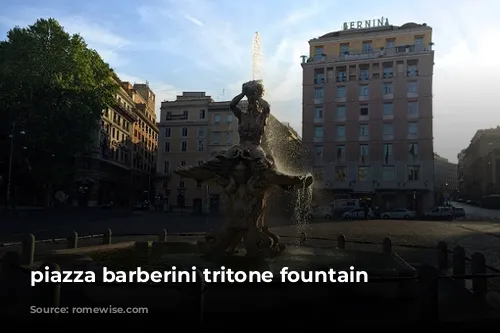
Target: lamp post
x: 12, y: 137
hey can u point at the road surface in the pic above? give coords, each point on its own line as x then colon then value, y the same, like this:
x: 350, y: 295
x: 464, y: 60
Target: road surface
x: 478, y: 213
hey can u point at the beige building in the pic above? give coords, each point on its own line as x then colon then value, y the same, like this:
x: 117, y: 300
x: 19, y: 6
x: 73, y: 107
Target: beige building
x: 193, y: 129
x: 111, y: 172
x: 445, y: 178
x: 481, y: 166
x: 367, y: 114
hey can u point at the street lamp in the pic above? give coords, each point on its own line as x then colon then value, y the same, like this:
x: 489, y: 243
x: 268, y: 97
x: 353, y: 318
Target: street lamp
x: 12, y: 137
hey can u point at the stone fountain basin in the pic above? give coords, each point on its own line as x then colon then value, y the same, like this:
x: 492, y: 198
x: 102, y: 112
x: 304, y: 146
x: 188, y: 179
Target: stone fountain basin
x: 160, y: 256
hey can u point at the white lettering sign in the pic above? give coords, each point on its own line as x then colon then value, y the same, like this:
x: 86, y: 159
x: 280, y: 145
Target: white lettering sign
x: 366, y: 24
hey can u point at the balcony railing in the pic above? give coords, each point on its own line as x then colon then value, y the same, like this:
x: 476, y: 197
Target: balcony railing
x: 349, y: 56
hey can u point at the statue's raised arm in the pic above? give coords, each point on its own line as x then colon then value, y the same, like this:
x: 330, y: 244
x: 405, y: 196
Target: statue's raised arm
x: 234, y: 103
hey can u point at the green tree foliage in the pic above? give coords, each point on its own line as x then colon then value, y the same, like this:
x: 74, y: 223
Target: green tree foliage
x: 54, y: 88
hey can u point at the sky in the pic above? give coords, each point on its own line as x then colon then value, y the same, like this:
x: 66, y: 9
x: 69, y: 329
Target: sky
x: 206, y: 45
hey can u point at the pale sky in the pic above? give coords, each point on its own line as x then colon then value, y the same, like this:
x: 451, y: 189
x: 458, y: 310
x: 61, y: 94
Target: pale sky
x: 203, y: 45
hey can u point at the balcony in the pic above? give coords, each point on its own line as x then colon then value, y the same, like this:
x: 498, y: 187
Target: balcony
x: 383, y: 53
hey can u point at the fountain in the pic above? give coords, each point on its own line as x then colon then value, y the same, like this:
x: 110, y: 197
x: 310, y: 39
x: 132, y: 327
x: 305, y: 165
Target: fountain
x: 247, y: 174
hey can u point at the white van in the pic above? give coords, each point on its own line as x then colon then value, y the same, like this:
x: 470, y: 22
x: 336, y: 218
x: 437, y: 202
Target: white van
x: 344, y: 205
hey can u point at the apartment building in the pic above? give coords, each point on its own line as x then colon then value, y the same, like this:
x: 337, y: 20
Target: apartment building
x: 462, y: 157
x: 367, y: 114
x: 144, y: 141
x: 103, y: 175
x: 481, y: 167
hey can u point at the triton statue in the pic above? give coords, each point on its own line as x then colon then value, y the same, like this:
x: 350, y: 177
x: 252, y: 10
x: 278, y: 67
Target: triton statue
x: 246, y: 174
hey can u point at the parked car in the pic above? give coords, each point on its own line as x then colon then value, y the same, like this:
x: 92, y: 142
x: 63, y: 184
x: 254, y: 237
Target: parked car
x: 439, y: 213
x: 458, y: 211
x: 357, y: 213
x: 320, y: 213
x: 399, y: 213
x: 142, y: 205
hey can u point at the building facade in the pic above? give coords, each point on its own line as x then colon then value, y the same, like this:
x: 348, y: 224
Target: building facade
x: 460, y: 172
x: 367, y: 115
x: 481, y: 168
x: 193, y: 129
x: 445, y: 178
x: 110, y: 171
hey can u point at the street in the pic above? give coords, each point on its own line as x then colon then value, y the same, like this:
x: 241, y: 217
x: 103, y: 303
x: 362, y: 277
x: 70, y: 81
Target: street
x: 478, y: 213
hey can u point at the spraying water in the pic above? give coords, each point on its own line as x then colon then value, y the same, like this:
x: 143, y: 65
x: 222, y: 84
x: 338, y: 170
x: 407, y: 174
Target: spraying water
x: 256, y: 58
x: 302, y: 197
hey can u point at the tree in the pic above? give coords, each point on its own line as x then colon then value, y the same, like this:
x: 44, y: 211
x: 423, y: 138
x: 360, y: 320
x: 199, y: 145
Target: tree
x: 53, y: 87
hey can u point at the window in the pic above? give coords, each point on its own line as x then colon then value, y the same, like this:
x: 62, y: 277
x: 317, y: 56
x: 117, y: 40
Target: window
x: 341, y: 111
x: 200, y: 162
x: 167, y: 146
x: 341, y: 173
x: 387, y: 129
x: 388, y: 109
x: 216, y: 137
x: 413, y: 173
x: 413, y: 149
x: 341, y: 153
x: 201, y: 132
x: 388, y: 173
x: 363, y: 173
x: 229, y: 118
x: 364, y: 91
x: 318, y: 93
x: 183, y: 163
x: 217, y: 119
x: 229, y: 138
x: 419, y: 42
x: 318, y: 113
x: 412, y: 87
x: 318, y: 132
x: 319, y: 151
x: 201, y: 145
x: 341, y: 92
x: 341, y: 131
x: 364, y: 74
x: 387, y: 152
x: 202, y: 114
x: 181, y: 184
x: 344, y: 48
x: 412, y: 70
x: 390, y: 43
x: 367, y: 47
x: 387, y: 88
x: 363, y: 130
x: 184, y: 132
x: 166, y: 167
x: 387, y: 72
x: 364, y: 152
x: 184, y: 146
x: 198, y: 184
x: 341, y: 76
x: 363, y: 110
x: 168, y: 132
x: 318, y: 51
x: 412, y: 108
x: 413, y: 128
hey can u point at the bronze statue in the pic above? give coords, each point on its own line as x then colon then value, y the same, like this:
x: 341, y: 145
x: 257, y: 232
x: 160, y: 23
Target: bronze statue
x: 246, y: 174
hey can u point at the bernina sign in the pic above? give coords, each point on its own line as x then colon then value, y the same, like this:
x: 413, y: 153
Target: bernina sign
x: 365, y: 24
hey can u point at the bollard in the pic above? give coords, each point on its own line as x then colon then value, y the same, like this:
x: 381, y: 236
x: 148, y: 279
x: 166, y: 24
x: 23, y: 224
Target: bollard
x: 73, y: 240
x: 459, y: 264
x: 28, y: 251
x: 442, y: 252
x: 341, y: 242
x: 387, y: 245
x: 478, y: 266
x: 9, y: 278
x: 49, y: 293
x: 199, y: 298
x: 429, y: 300
x: 106, y: 238
x: 162, y: 236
